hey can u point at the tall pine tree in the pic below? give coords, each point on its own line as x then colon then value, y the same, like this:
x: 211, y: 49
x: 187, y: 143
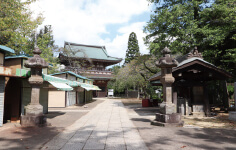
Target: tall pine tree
x: 133, y: 48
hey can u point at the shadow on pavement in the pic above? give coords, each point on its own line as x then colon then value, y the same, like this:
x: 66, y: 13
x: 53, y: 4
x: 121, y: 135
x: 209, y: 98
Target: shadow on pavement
x: 20, y: 138
x: 53, y: 114
x: 141, y: 119
x: 164, y: 138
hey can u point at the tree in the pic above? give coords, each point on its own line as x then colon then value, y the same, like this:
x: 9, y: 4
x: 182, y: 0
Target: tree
x: 16, y: 24
x: 68, y: 57
x: 46, y: 44
x: 181, y: 25
x: 135, y: 75
x: 133, y: 48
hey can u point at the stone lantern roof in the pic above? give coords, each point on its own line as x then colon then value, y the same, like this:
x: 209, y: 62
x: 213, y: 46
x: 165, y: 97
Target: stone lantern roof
x: 36, y: 61
x: 166, y: 61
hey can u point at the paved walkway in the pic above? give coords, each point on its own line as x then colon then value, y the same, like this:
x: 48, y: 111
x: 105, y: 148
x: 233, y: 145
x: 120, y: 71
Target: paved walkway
x: 105, y: 127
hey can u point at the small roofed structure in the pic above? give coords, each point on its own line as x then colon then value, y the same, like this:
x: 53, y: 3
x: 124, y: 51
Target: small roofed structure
x: 4, y: 71
x: 190, y: 90
x: 94, y: 60
x: 80, y: 92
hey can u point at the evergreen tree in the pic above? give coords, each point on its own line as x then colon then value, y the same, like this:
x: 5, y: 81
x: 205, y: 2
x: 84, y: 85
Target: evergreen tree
x: 46, y: 44
x: 133, y: 48
x: 181, y: 25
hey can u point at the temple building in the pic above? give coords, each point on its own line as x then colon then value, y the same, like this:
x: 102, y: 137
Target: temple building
x: 191, y: 85
x: 90, y: 61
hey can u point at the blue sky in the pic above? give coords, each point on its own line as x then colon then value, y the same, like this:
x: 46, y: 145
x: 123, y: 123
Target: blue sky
x: 96, y: 22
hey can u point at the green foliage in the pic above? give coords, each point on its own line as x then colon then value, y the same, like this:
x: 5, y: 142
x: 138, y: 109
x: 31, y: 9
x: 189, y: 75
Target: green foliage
x: 45, y: 42
x: 181, y: 25
x: 133, y: 48
x: 230, y: 90
x: 18, y: 31
x: 16, y: 24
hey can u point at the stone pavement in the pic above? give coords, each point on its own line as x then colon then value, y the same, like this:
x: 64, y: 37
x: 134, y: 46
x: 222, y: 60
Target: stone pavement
x: 179, y: 138
x: 107, y: 127
x: 15, y: 137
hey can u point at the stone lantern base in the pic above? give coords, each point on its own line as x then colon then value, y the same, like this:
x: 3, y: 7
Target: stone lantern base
x: 168, y: 116
x: 32, y: 121
x: 167, y: 108
x: 168, y: 120
x: 33, y: 116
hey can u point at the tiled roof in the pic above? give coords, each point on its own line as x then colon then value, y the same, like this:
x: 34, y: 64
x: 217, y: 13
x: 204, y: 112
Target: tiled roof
x: 6, y: 49
x: 72, y: 73
x: 193, y: 59
x: 90, y: 51
x: 18, y: 56
x: 185, y: 61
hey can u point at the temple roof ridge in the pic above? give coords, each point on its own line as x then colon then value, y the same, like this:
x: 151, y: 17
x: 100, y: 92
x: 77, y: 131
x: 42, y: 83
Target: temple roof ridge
x: 91, y: 51
x: 77, y: 44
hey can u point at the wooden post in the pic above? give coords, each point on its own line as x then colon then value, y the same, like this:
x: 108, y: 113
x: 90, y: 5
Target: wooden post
x: 225, y: 95
x: 206, y: 100
x: 235, y: 96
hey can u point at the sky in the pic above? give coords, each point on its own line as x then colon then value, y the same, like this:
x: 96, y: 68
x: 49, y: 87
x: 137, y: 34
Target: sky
x: 96, y: 22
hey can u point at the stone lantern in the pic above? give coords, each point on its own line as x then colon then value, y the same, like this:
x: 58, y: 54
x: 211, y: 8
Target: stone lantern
x: 167, y: 115
x: 34, y: 111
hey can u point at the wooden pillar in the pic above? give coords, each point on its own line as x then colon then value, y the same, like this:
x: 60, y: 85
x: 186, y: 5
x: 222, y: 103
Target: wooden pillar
x: 206, y: 101
x: 225, y: 94
x: 235, y: 96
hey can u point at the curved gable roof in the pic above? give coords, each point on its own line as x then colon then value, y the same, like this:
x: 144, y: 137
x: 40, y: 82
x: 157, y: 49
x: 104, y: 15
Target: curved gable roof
x: 198, y: 61
x: 90, y: 51
x: 191, y: 62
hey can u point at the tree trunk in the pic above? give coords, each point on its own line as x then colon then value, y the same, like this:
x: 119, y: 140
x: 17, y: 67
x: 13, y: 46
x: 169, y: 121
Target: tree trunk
x: 138, y: 93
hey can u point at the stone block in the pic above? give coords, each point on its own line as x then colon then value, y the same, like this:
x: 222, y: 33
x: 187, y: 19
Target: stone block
x: 198, y: 114
x: 232, y: 115
x: 168, y: 118
x: 34, y: 110
x: 167, y: 108
x: 31, y: 120
x: 198, y: 108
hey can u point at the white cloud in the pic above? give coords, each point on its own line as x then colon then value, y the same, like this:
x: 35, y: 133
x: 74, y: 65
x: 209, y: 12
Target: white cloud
x: 84, y: 21
x: 118, y: 46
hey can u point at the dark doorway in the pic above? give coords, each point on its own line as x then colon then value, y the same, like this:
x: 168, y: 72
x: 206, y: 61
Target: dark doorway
x: 12, y: 100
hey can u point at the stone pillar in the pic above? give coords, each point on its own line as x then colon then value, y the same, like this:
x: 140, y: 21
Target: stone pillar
x: 167, y: 107
x: 34, y: 111
x: 167, y: 115
x: 175, y: 97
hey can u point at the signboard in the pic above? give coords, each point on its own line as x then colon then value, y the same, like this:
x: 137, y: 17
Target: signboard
x: 110, y: 92
x: 23, y: 72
